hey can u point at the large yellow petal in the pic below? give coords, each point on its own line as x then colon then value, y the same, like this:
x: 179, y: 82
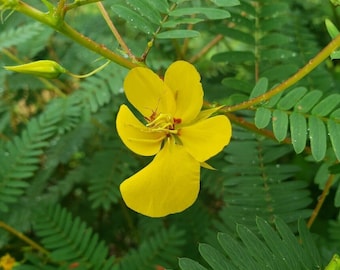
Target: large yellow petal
x: 206, y: 138
x: 169, y: 184
x: 148, y: 93
x: 184, y: 80
x: 137, y: 136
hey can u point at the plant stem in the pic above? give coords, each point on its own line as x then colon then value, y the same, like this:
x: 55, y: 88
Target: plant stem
x: 312, y: 64
x: 150, y: 43
x: 240, y: 121
x: 115, y: 31
x: 23, y: 237
x: 58, y: 24
x: 206, y: 48
x: 321, y: 200
x: 76, y: 4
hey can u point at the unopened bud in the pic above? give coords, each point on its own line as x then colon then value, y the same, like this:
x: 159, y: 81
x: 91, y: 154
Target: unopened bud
x: 43, y: 68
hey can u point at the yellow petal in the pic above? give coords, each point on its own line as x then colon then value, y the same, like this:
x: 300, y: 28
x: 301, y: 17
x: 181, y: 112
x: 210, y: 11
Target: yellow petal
x: 137, y: 136
x: 206, y: 138
x: 184, y: 80
x: 169, y: 184
x: 148, y: 93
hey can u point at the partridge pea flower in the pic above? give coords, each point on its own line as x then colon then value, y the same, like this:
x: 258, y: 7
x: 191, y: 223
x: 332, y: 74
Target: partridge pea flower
x: 175, y: 130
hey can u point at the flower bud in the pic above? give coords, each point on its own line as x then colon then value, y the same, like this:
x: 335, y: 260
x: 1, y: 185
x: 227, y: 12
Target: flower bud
x: 43, y: 68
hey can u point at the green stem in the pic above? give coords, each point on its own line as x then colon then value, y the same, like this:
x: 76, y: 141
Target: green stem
x: 321, y: 200
x: 115, y: 31
x: 150, y: 43
x: 312, y: 64
x: 76, y: 4
x: 54, y: 21
x: 23, y: 237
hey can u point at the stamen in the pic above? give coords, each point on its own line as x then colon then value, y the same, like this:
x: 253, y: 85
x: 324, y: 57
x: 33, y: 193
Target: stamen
x: 163, y: 120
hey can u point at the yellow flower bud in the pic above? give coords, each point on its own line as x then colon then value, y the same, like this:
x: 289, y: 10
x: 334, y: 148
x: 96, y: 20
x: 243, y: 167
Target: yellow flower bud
x: 43, y: 68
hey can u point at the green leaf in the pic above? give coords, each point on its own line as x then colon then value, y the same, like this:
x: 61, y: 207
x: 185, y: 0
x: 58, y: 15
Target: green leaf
x: 334, y: 134
x: 210, y: 13
x: 213, y: 257
x: 173, y: 34
x: 335, y: 55
x: 234, y: 57
x: 306, y: 103
x: 236, y: 252
x: 274, y: 39
x: 260, y: 88
x: 289, y: 100
x: 160, y: 5
x: 312, y: 253
x: 70, y: 239
x: 334, y: 264
x: 262, y: 117
x: 331, y: 28
x: 336, y: 114
x: 326, y: 105
x: 317, y: 136
x: 280, y: 124
x: 188, y: 264
x: 134, y: 19
x: 185, y: 20
x: 272, y: 101
x: 20, y: 35
x: 146, y: 9
x: 226, y: 3
x: 337, y: 198
x: 298, y: 130
x: 274, y: 9
x: 236, y: 34
x: 278, y: 54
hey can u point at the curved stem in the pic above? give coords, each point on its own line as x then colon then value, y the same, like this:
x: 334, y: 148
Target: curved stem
x: 23, y: 237
x: 321, y: 200
x: 206, y: 48
x: 54, y: 21
x: 312, y: 64
x: 76, y: 4
x: 150, y: 43
x: 115, y: 31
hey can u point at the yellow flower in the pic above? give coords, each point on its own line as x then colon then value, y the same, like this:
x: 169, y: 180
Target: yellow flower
x: 7, y: 262
x: 180, y: 135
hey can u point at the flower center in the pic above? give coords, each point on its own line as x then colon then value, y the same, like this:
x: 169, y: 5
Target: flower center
x: 164, y: 122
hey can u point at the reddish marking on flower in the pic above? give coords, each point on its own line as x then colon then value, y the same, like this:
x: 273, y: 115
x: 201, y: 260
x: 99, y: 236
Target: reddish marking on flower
x: 177, y: 120
x: 151, y: 117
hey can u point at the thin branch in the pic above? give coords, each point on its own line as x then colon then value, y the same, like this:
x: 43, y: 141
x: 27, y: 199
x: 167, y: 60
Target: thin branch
x: 76, y: 4
x: 321, y: 200
x: 240, y: 121
x: 151, y: 42
x: 115, y: 31
x: 23, y: 237
x: 312, y: 64
x: 62, y: 27
x: 206, y: 48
